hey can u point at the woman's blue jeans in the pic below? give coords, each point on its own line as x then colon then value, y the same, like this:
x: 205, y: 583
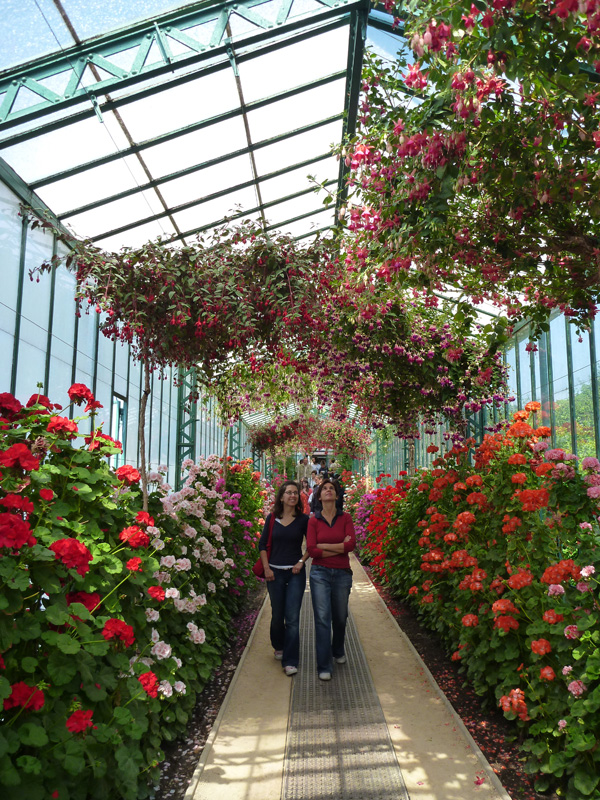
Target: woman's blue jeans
x: 286, y: 593
x: 329, y: 591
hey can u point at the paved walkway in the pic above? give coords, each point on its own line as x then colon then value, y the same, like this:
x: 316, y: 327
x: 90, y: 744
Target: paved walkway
x: 244, y: 756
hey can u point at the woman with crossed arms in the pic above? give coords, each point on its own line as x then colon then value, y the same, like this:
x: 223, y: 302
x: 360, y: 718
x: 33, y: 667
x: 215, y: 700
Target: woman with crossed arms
x: 329, y: 538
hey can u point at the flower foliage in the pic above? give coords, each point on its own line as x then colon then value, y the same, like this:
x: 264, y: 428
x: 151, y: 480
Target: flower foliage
x: 308, y: 433
x: 505, y: 572
x: 113, y: 618
x: 485, y: 182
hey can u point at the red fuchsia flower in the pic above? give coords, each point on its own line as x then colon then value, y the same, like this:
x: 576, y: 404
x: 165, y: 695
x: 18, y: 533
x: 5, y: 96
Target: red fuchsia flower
x: 577, y: 688
x: 25, y: 696
x: 144, y: 518
x: 16, y: 502
x: 547, y: 674
x: 128, y: 474
x: 80, y: 392
x: 117, y: 629
x: 514, y: 703
x: 134, y: 537
x: 470, y: 620
x: 15, y: 532
x: 62, y: 425
x: 19, y: 455
x: 9, y: 405
x: 91, y: 600
x: 47, y: 494
x: 73, y: 554
x: 150, y: 683
x: 157, y: 593
x: 552, y: 617
x: 79, y: 721
x: 541, y: 646
x: 134, y: 564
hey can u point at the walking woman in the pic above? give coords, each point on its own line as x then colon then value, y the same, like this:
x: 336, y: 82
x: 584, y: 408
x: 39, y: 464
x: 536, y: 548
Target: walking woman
x: 285, y: 573
x: 329, y: 539
x: 305, y: 494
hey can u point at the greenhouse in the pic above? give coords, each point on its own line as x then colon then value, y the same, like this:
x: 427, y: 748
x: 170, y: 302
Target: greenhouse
x: 300, y: 413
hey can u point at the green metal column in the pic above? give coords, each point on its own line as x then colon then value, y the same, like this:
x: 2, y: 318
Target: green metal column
x: 186, y: 422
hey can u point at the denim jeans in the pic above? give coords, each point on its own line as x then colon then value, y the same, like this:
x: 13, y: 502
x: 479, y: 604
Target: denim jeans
x: 286, y: 593
x: 329, y: 591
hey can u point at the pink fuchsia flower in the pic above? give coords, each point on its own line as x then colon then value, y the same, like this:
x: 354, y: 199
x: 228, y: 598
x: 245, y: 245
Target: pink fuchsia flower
x: 555, y: 588
x: 572, y: 632
x: 577, y: 688
x: 562, y: 723
x: 567, y: 670
x: 586, y: 572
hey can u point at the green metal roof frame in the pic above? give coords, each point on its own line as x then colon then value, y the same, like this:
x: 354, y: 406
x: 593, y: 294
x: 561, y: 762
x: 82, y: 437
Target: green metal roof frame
x: 84, y: 85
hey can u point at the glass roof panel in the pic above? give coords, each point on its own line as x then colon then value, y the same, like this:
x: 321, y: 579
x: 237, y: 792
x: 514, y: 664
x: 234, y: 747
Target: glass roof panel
x: 207, y: 181
x: 297, y: 180
x: 94, y: 17
x: 318, y: 220
x: 196, y: 147
x: 298, y: 110
x: 297, y: 148
x: 181, y: 105
x: 215, y: 210
x: 92, y: 185
x: 113, y: 215
x: 30, y: 29
x: 61, y: 149
x: 138, y: 236
x: 293, y: 208
x: 295, y: 64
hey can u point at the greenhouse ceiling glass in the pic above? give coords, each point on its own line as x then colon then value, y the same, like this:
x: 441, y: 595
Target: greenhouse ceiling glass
x: 143, y: 119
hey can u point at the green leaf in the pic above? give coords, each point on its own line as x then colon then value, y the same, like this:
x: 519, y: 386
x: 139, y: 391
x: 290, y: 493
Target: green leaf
x: 61, y: 667
x: 33, y: 735
x: 585, y: 781
x: 30, y: 765
x: 8, y: 774
x: 66, y: 644
x: 57, y: 614
x: 29, y: 664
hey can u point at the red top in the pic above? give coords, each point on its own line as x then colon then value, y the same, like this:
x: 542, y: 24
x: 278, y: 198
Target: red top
x: 305, y: 506
x: 321, y: 532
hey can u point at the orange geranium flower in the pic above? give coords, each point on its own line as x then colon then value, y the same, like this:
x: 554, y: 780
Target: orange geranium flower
x: 520, y: 430
x: 533, y: 406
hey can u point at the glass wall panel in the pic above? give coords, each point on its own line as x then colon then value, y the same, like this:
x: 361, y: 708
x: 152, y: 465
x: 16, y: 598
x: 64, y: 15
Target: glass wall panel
x: 560, y: 383
x: 10, y: 250
x: 582, y: 389
x: 524, y: 367
x: 511, y: 362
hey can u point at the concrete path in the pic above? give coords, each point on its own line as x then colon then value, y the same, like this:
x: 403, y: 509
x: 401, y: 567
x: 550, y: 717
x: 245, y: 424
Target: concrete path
x: 243, y: 758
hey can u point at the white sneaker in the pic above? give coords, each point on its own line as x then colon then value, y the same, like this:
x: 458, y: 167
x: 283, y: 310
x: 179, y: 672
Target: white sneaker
x: 340, y: 660
x: 278, y: 655
x: 290, y: 670
x: 325, y: 676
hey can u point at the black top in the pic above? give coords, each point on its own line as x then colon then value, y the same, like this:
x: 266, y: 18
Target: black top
x: 286, y: 545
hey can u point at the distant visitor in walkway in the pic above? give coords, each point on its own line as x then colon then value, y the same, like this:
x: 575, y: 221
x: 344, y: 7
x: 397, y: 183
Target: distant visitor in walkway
x: 305, y: 492
x: 329, y: 539
x: 285, y: 573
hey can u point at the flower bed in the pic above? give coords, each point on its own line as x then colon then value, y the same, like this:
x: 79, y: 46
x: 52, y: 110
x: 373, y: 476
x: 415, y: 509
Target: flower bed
x: 499, y: 560
x: 113, y: 618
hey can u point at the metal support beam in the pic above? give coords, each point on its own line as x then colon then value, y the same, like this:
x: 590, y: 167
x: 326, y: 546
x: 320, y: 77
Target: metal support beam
x: 199, y: 34
x: 187, y: 414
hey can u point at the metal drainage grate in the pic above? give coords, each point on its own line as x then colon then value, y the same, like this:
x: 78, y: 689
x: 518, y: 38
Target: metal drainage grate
x: 338, y: 745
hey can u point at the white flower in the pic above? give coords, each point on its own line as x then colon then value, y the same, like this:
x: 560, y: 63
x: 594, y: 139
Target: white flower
x: 157, y: 544
x: 211, y: 587
x: 161, y: 650
x: 172, y: 593
x: 167, y: 561
x: 152, y: 615
x: 183, y: 565
x: 165, y: 688
x: 154, y: 635
x: 179, y: 687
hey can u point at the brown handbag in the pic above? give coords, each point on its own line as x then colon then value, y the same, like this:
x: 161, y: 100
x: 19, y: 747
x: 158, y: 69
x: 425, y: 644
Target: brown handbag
x: 258, y: 568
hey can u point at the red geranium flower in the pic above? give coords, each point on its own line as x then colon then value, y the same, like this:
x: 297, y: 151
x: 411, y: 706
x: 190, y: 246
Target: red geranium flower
x: 98, y: 440
x: 17, y: 502
x: 19, y: 455
x: 90, y: 600
x: 150, y: 683
x: 128, y: 474
x: 62, y: 425
x: 515, y: 703
x: 517, y: 458
x: 134, y: 537
x: 144, y: 518
x: 25, y: 696
x: 519, y: 477
x: 9, y: 405
x: 157, y: 592
x: 73, y: 554
x: 42, y: 400
x: 15, y: 532
x: 541, y: 646
x: 552, y: 617
x: 47, y: 494
x: 506, y: 623
x: 470, y: 620
x: 547, y: 674
x: 117, y: 629
x: 134, y: 564
x: 79, y: 721
x: 80, y: 392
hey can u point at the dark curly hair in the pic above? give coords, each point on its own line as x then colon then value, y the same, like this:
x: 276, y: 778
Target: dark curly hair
x: 278, y: 505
